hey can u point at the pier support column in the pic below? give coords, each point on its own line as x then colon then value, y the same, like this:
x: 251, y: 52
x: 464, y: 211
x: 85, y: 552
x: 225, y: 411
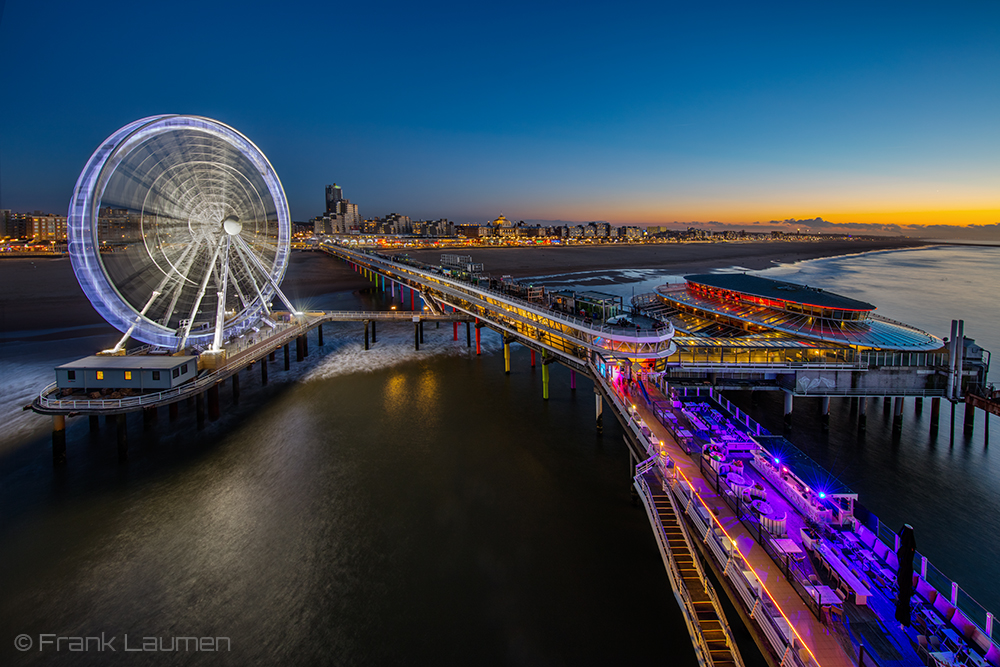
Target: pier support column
x: 506, y: 356
x: 572, y: 379
x: 299, y: 351
x: 824, y: 411
x: 213, y: 401
x: 421, y: 331
x: 366, y: 334
x: 454, y: 331
x: 897, y: 414
x: 788, y: 408
x: 545, y: 378
x: 935, y: 411
x: 319, y: 329
x: 287, y: 362
x: 263, y: 372
x: 149, y: 416
x: 863, y: 413
x: 416, y: 334
x: 236, y: 388
x: 468, y: 334
x: 970, y: 418
x: 270, y: 357
x: 95, y: 423
x: 918, y: 405
x: 59, y: 440
x: 887, y: 404
x: 478, y: 327
x: 532, y: 358
x: 122, y: 438
x: 173, y: 410
x: 986, y: 428
x: 952, y: 437
x: 600, y: 410
x: 305, y: 345
x: 199, y: 408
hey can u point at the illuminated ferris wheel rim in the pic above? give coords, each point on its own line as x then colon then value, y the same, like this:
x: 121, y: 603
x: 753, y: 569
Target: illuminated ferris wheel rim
x: 84, y: 242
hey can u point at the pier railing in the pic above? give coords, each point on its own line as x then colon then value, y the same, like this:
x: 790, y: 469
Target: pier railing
x: 981, y: 617
x: 757, y: 601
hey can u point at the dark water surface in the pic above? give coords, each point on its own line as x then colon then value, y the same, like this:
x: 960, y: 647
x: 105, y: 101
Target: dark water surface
x: 430, y: 511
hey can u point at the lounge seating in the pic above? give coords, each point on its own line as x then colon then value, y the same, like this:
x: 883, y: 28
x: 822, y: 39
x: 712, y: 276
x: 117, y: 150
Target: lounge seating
x: 968, y: 630
x: 926, y: 591
x: 774, y: 525
x: 867, y: 537
x: 944, y: 608
x: 881, y: 550
x: 993, y: 655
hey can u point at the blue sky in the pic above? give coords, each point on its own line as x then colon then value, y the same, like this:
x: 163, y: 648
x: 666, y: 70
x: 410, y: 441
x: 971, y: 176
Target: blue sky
x: 629, y: 112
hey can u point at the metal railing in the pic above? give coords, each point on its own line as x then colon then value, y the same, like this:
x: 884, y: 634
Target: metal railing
x: 478, y: 291
x: 677, y: 580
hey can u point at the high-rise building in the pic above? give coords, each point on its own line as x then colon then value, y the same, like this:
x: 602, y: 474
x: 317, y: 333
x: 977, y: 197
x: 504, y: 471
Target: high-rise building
x: 334, y: 194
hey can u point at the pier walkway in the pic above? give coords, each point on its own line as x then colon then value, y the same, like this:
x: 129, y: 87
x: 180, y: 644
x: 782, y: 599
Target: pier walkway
x: 783, y: 625
x: 706, y: 621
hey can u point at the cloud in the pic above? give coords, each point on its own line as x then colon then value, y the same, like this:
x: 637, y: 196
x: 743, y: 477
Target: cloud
x: 818, y: 225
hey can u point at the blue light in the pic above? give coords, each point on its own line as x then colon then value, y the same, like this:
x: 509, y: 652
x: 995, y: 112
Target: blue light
x: 822, y: 494
x: 777, y: 461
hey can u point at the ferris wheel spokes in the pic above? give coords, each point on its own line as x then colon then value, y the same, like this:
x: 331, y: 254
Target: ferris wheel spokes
x: 240, y: 243
x: 201, y: 295
x: 220, y: 308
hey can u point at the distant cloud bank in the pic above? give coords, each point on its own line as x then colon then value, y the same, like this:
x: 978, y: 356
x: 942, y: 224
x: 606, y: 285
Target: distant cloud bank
x: 989, y: 232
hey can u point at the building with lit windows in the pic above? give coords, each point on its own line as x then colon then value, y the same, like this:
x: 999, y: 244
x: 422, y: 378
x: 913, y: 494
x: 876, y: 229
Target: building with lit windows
x: 754, y: 331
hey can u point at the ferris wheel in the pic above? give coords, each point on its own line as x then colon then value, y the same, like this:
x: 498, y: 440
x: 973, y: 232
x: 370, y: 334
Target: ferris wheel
x: 179, y: 232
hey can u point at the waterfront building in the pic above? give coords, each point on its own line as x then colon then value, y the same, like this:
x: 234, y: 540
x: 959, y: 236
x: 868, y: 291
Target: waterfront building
x: 138, y: 372
x: 760, y: 332
x: 46, y: 227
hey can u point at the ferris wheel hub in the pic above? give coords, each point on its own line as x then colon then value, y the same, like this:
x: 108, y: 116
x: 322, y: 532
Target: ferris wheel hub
x: 232, y: 225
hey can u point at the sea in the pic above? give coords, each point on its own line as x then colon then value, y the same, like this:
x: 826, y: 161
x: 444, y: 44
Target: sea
x: 394, y: 506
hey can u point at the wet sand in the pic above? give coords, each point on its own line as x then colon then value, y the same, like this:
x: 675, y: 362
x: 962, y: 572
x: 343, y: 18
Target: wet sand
x: 41, y: 295
x: 678, y: 257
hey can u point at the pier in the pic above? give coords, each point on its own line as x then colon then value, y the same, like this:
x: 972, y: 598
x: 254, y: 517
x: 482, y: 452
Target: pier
x: 812, y: 587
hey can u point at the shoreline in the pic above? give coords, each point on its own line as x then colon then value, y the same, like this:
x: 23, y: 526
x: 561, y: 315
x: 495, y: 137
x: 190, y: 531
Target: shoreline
x: 539, y: 261
x: 43, y: 298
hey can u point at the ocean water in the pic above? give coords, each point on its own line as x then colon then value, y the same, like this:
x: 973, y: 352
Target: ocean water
x: 364, y: 508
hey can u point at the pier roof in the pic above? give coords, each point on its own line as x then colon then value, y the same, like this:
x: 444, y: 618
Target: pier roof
x: 779, y: 290
x: 136, y: 361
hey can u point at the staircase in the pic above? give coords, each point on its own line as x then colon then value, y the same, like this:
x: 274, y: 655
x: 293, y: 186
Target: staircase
x: 710, y: 634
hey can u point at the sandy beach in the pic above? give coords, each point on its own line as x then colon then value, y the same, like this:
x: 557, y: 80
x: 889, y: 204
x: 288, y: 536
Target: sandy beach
x: 679, y: 258
x: 41, y: 295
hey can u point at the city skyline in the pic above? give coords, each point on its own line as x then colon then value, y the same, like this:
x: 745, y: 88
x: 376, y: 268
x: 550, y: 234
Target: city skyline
x: 884, y: 117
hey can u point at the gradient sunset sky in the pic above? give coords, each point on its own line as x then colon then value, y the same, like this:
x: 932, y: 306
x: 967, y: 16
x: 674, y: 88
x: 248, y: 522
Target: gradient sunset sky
x: 877, y: 113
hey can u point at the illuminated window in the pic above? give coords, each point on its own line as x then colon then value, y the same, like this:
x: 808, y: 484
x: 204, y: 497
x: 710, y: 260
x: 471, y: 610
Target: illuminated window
x: 100, y: 375
x: 128, y: 375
